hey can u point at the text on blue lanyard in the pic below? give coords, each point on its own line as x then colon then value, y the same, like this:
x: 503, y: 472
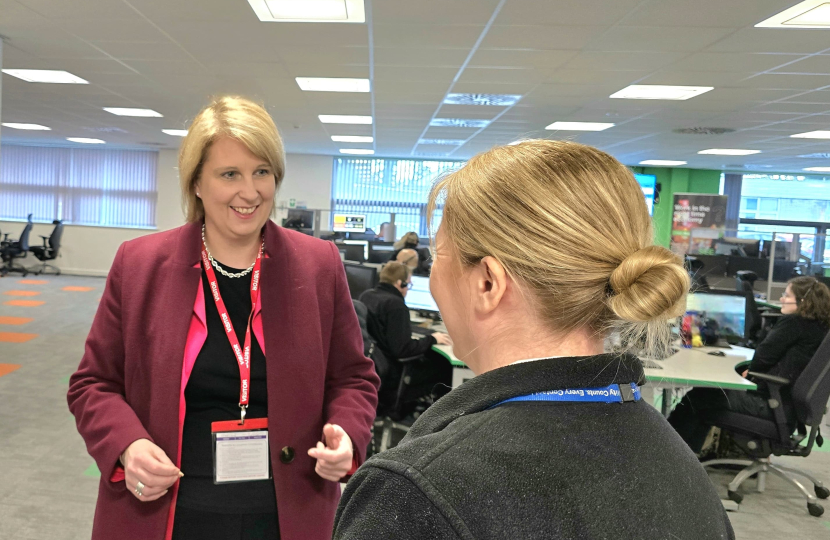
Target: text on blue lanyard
x: 612, y: 393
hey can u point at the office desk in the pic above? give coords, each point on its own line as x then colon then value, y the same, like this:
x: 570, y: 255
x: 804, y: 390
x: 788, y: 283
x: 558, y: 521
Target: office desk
x: 766, y: 304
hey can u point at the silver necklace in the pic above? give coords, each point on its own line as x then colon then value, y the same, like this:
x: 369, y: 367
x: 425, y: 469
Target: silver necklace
x: 222, y: 270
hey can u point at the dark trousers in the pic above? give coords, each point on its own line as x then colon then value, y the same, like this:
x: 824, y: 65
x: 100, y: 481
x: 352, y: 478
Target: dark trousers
x: 197, y: 525
x: 688, y: 417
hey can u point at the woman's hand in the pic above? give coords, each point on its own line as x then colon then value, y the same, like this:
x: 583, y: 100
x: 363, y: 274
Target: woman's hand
x: 745, y: 374
x: 334, y: 459
x: 442, y: 339
x: 147, y: 463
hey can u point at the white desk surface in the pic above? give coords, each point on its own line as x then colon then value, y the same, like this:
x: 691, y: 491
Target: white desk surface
x: 695, y: 367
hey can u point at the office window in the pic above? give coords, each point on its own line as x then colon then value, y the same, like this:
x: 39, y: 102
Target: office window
x: 377, y: 187
x: 112, y: 188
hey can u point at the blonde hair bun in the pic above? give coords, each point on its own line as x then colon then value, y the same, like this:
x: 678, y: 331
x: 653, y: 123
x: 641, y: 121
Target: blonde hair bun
x: 650, y: 284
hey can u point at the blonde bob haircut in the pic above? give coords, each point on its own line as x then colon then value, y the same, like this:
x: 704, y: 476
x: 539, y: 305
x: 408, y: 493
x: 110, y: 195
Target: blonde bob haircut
x: 227, y: 116
x: 569, y: 224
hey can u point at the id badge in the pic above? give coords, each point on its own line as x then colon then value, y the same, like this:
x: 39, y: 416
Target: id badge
x: 240, y: 452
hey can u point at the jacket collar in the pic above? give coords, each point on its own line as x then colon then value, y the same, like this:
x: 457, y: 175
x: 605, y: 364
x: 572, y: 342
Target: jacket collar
x: 493, y: 387
x: 189, y: 248
x: 388, y: 287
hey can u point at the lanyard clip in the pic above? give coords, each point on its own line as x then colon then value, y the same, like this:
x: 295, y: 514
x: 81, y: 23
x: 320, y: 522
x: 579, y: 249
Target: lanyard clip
x: 243, y: 410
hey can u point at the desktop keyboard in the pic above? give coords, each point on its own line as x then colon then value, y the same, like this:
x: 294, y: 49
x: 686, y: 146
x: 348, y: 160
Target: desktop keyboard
x: 651, y: 364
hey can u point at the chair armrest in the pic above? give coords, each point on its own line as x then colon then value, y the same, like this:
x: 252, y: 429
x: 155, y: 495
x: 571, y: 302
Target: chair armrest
x: 45, y: 238
x: 410, y: 359
x: 780, y: 381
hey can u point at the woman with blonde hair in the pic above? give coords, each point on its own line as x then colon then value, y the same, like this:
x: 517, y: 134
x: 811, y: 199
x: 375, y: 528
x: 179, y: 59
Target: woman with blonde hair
x: 551, y: 438
x: 223, y: 391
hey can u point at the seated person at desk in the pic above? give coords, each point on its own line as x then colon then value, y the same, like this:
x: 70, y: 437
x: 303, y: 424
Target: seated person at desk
x: 389, y: 325
x: 410, y: 241
x: 550, y: 439
x: 785, y: 352
x: 409, y: 258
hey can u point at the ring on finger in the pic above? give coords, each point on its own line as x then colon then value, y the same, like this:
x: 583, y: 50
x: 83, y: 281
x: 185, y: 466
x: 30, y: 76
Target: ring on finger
x: 139, y: 487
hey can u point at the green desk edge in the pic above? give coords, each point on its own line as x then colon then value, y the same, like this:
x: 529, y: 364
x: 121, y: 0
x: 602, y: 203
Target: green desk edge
x: 454, y: 361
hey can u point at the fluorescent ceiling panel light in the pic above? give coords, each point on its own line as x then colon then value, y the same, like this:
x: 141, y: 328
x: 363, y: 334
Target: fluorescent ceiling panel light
x: 31, y: 127
x: 818, y: 169
x: 352, y: 138
x: 659, y: 91
x: 84, y: 140
x: 323, y: 84
x: 333, y: 11
x: 579, y: 126
x: 357, y: 151
x: 808, y: 14
x: 175, y: 132
x: 126, y: 111
x: 729, y: 152
x: 662, y: 163
x: 459, y: 122
x: 45, y: 76
x: 497, y: 100
x: 455, y: 142
x: 812, y: 135
x: 344, y: 119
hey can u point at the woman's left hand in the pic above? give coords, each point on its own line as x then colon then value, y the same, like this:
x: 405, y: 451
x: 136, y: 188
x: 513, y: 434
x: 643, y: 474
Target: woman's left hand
x: 334, y: 459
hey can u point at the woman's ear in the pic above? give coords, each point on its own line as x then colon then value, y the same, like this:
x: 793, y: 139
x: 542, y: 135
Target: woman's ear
x: 490, y: 284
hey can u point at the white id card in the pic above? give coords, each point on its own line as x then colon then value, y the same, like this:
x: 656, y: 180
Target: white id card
x: 240, y: 455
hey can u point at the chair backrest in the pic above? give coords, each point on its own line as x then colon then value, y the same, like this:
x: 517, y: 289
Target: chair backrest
x: 55, y: 238
x: 812, y: 388
x: 370, y: 347
x: 23, y: 242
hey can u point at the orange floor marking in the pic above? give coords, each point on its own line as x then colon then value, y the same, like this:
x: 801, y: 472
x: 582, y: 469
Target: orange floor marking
x: 78, y: 289
x: 15, y: 337
x: 33, y: 281
x: 22, y: 293
x: 25, y: 303
x: 16, y: 321
x: 5, y: 369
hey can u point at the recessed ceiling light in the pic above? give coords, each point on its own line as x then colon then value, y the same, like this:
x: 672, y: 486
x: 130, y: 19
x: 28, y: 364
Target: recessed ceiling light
x: 343, y: 11
x: 357, y: 151
x: 662, y: 162
x: 352, y: 138
x: 729, y: 152
x: 812, y: 135
x: 84, y: 140
x: 175, y: 132
x: 580, y: 126
x: 818, y: 169
x: 455, y: 142
x: 344, y: 119
x: 323, y: 84
x: 808, y: 14
x: 458, y: 122
x: 497, y: 100
x: 126, y: 111
x: 45, y: 76
x: 32, y: 127
x: 659, y: 91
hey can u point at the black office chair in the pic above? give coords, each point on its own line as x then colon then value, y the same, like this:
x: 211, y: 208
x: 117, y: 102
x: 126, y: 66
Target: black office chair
x: 759, y: 437
x: 745, y: 281
x: 11, y: 250
x: 695, y: 268
x: 49, y: 252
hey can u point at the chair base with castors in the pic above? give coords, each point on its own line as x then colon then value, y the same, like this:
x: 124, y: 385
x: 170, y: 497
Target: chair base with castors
x: 42, y: 267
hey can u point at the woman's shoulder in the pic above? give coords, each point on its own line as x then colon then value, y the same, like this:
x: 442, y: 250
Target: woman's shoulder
x: 155, y: 246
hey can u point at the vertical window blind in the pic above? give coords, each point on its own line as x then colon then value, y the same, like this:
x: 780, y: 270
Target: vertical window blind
x: 377, y: 187
x: 113, y: 188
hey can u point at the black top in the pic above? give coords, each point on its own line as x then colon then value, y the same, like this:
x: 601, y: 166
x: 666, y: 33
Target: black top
x: 788, y: 347
x: 388, y: 323
x: 212, y: 394
x: 536, y: 469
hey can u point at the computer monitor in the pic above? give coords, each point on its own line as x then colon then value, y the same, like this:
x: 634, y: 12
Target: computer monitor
x: 380, y: 252
x: 299, y: 219
x: 349, y: 223
x: 743, y: 247
x: 364, y: 244
x: 648, y: 183
x: 727, y: 308
x: 353, y: 251
x: 360, y: 278
x: 419, y: 298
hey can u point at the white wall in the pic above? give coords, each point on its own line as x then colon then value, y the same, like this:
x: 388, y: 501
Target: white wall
x: 90, y: 250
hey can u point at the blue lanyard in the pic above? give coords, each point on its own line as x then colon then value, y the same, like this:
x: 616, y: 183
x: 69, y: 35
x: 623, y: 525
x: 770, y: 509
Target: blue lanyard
x: 613, y: 393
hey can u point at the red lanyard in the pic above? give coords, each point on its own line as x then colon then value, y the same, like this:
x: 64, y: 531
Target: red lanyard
x: 243, y: 356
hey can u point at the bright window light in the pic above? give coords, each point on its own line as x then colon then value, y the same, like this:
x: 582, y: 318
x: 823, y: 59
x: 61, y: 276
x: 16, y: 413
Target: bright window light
x: 452, y: 142
x: 658, y: 91
x: 357, y: 151
x: 808, y: 14
x: 344, y: 119
x: 322, y: 84
x: 818, y: 169
x: 30, y: 127
x: 175, y: 132
x: 579, y: 126
x: 497, y: 100
x: 84, y: 140
x: 729, y: 152
x: 812, y: 135
x: 352, y: 138
x: 334, y: 11
x: 662, y: 163
x: 458, y: 122
x: 144, y: 113
x: 45, y: 76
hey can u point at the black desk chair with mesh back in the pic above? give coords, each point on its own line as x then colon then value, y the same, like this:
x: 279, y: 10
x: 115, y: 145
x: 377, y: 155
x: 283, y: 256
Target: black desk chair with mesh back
x: 760, y: 438
x: 49, y: 250
x: 10, y: 250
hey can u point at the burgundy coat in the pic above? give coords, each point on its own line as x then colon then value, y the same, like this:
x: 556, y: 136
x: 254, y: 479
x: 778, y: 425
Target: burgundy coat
x: 149, y: 327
